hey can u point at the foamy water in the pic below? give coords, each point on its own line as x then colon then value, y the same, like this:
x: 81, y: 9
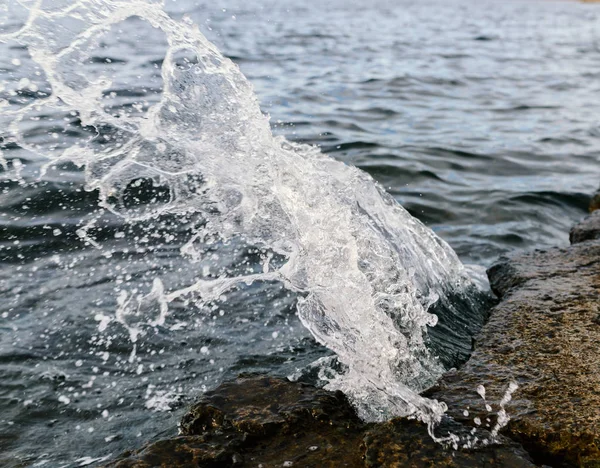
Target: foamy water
x: 366, y: 270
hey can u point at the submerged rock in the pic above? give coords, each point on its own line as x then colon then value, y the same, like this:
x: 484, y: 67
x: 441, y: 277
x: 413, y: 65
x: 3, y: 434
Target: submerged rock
x: 543, y: 335
x: 270, y: 422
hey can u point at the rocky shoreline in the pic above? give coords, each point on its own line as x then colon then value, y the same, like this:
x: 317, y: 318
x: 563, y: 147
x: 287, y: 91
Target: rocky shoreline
x: 262, y: 421
x: 543, y: 336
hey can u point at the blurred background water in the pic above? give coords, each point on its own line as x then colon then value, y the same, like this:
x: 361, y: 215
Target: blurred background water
x: 479, y: 117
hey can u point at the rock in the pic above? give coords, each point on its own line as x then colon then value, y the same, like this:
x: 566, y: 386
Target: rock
x: 405, y: 443
x: 595, y: 201
x: 260, y: 405
x: 588, y: 229
x: 259, y: 419
x: 270, y: 422
x: 182, y: 452
x: 543, y: 335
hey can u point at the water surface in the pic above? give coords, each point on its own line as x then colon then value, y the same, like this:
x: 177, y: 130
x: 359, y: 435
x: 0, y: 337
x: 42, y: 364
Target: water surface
x: 479, y: 118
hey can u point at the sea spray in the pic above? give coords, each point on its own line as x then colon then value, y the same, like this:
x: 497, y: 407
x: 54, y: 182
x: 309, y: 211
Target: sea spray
x: 479, y: 435
x: 369, y: 276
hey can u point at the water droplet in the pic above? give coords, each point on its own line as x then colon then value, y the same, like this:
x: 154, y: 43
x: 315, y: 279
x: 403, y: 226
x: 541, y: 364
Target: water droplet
x: 64, y: 399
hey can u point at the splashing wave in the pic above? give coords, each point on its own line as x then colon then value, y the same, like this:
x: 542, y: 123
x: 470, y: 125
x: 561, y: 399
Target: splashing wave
x: 369, y: 275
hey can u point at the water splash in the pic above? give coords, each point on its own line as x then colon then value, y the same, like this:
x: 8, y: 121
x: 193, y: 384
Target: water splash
x: 369, y: 275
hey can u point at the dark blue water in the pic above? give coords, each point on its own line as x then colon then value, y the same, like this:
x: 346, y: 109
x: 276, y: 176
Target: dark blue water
x: 481, y: 118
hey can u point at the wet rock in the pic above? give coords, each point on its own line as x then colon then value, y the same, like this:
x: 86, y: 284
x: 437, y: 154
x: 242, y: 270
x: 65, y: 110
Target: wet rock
x: 261, y: 405
x: 181, y: 452
x: 263, y: 421
x: 595, y: 201
x: 405, y: 443
x: 544, y: 336
x: 588, y: 229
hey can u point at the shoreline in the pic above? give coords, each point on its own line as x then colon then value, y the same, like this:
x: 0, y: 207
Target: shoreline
x: 542, y: 335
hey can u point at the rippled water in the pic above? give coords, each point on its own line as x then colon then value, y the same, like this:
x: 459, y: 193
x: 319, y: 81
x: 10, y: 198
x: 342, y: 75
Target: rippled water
x: 480, y: 118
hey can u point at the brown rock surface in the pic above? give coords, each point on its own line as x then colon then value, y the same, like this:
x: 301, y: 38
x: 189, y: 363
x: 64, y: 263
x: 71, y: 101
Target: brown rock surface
x: 595, y: 201
x: 404, y: 443
x: 588, y: 229
x: 545, y: 335
x: 263, y: 421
